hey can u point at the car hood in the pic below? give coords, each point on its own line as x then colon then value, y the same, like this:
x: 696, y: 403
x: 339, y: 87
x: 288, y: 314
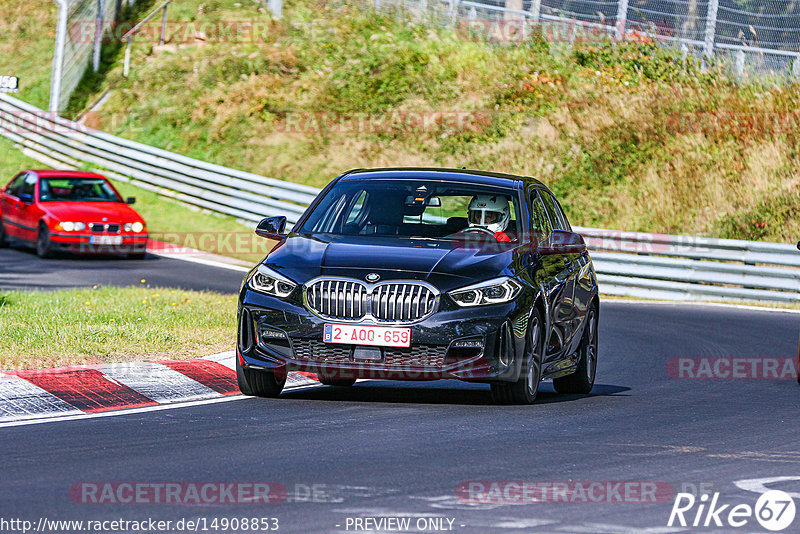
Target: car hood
x: 446, y: 264
x: 91, y: 211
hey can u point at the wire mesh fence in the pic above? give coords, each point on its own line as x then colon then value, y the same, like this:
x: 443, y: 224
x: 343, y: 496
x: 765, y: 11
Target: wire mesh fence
x: 81, y: 26
x: 751, y: 37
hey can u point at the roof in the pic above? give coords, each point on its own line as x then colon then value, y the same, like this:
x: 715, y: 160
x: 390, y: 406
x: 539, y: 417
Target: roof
x: 454, y: 175
x: 49, y: 173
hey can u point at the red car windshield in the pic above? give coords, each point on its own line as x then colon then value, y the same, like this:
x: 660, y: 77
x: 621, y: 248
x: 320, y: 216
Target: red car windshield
x: 76, y: 189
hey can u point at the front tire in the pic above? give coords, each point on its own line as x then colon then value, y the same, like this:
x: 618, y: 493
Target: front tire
x: 258, y: 383
x: 524, y: 390
x: 3, y: 237
x: 44, y: 247
x: 582, y: 380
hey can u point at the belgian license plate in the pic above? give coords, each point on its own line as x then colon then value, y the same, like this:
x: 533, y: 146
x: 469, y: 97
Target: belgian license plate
x: 379, y: 336
x: 105, y: 239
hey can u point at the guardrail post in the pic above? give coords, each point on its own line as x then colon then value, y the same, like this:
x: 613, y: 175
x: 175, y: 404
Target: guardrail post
x: 276, y: 8
x: 536, y: 9
x: 711, y: 26
x: 453, y: 12
x: 622, y: 19
x: 740, y: 63
x: 98, y: 37
x: 796, y: 68
x: 126, y: 67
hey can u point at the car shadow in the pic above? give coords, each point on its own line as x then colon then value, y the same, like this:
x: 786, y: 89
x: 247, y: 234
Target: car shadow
x: 435, y: 392
x: 30, y: 252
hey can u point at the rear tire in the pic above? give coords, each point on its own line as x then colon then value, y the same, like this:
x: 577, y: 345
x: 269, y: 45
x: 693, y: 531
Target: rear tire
x: 582, y: 380
x: 44, y: 247
x: 338, y: 382
x: 524, y: 390
x: 3, y: 237
x: 258, y: 383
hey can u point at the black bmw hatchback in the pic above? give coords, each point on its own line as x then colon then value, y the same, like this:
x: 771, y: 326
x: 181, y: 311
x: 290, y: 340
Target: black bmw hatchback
x: 423, y: 274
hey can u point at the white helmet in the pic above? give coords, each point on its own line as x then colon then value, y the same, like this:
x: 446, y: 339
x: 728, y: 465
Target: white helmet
x: 489, y: 211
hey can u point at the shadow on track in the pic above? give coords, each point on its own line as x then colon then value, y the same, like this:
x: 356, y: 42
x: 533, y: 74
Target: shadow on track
x: 440, y: 392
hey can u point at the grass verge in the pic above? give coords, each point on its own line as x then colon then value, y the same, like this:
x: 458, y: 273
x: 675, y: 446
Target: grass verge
x: 106, y: 324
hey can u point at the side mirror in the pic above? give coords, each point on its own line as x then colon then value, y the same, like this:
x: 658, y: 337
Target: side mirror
x: 798, y: 245
x: 130, y: 200
x: 434, y: 202
x: 563, y: 242
x: 27, y: 198
x: 272, y: 227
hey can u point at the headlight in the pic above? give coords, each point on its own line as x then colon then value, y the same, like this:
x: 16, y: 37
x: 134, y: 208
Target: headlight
x: 68, y: 226
x: 134, y: 227
x: 267, y: 281
x: 494, y: 291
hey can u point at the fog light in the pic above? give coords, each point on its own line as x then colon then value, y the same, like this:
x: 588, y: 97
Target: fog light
x: 468, y: 344
x: 272, y: 334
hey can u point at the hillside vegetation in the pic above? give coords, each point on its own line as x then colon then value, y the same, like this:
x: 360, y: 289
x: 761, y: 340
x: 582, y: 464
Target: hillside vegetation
x: 630, y: 135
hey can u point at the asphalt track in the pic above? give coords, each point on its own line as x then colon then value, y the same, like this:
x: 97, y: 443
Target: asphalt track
x: 20, y: 268
x: 403, y: 449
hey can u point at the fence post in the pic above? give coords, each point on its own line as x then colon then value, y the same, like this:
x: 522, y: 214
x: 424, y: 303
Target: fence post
x: 58, y: 56
x: 98, y: 37
x: 276, y: 8
x: 536, y: 9
x: 711, y: 26
x: 622, y: 19
x: 163, y: 37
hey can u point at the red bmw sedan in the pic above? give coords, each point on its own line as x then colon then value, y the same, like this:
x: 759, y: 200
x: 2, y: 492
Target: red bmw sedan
x: 79, y: 212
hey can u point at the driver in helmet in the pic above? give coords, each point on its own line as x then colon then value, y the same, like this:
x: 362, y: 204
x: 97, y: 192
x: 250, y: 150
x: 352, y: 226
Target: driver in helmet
x: 491, y: 212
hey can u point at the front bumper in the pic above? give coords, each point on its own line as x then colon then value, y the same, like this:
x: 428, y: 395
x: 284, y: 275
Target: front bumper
x: 284, y: 336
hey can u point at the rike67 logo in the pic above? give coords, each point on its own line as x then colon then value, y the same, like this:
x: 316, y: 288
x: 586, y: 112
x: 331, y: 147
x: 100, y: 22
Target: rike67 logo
x: 774, y: 510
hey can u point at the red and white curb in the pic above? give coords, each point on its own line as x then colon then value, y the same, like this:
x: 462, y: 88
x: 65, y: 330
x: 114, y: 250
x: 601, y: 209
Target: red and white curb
x: 68, y: 391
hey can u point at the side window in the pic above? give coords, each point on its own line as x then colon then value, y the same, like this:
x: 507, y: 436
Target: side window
x: 28, y: 185
x: 15, y: 187
x: 557, y: 218
x: 561, y: 215
x: 540, y: 222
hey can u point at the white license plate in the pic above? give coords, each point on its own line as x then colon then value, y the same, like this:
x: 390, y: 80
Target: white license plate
x: 105, y: 239
x: 379, y: 336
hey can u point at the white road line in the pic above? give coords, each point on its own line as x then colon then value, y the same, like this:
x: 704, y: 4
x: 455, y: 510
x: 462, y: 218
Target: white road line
x: 759, y: 485
x: 202, y: 261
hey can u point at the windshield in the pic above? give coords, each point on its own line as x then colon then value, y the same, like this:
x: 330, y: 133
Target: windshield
x: 415, y: 208
x: 77, y: 189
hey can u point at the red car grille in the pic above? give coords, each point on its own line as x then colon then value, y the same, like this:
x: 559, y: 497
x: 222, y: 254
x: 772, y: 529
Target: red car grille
x: 104, y: 228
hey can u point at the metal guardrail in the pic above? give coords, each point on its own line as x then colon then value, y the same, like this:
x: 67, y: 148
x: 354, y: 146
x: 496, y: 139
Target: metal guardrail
x: 630, y: 264
x: 678, y: 267
x: 66, y: 144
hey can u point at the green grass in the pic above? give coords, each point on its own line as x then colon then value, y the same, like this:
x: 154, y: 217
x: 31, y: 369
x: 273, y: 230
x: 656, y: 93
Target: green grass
x: 51, y: 329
